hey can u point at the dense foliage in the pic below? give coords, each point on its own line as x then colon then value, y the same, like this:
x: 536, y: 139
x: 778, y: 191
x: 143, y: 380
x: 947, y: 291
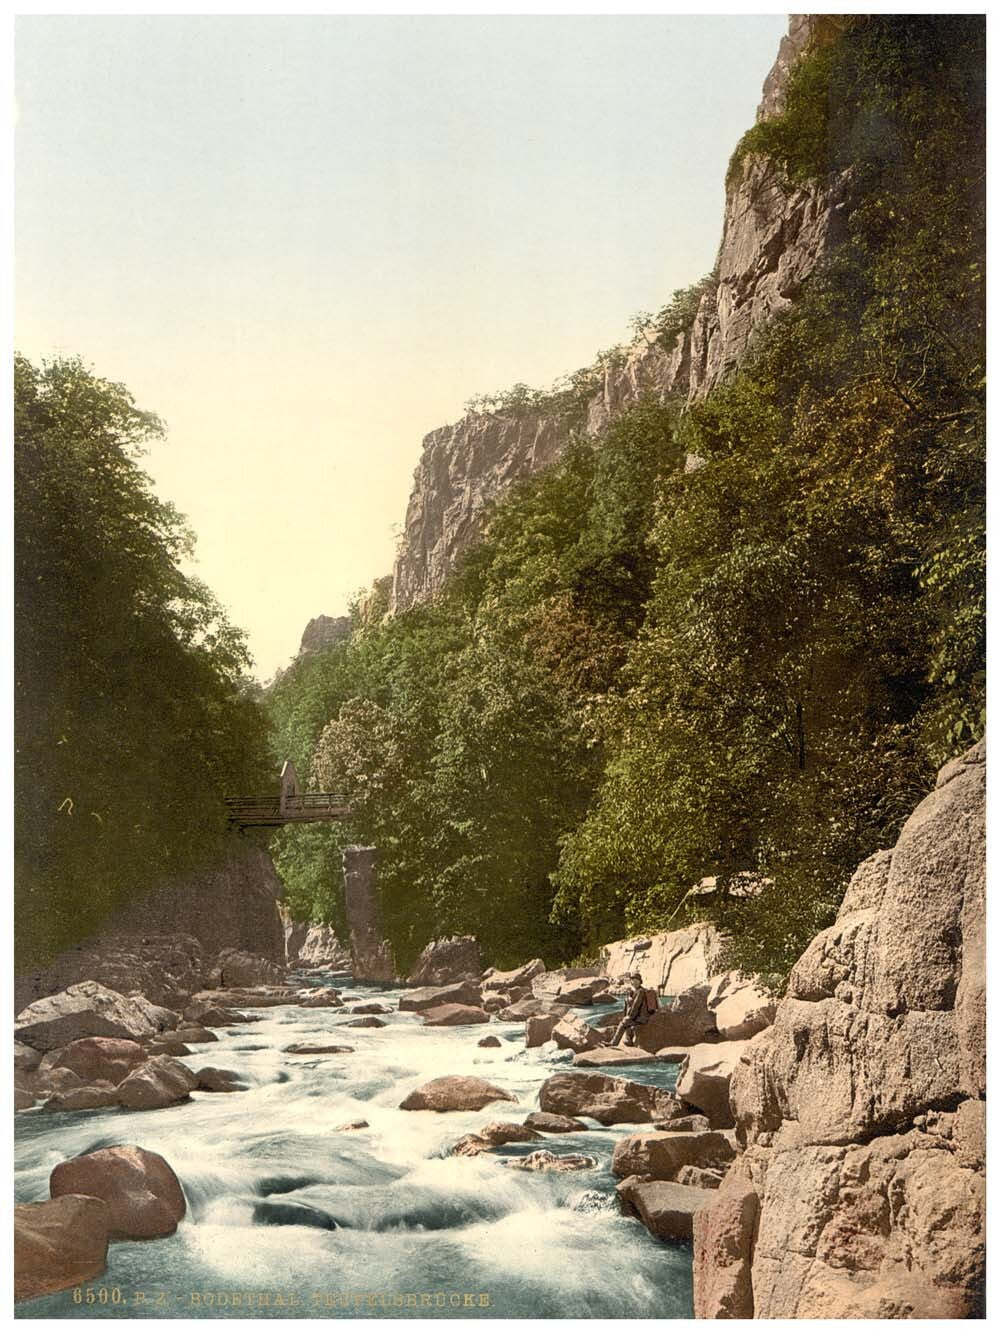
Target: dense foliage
x: 131, y: 717
x: 643, y: 674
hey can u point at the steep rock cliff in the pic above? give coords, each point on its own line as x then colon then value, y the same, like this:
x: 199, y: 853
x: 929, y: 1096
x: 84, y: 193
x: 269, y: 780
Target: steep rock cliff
x: 860, y: 1191
x: 773, y: 236
x: 162, y: 944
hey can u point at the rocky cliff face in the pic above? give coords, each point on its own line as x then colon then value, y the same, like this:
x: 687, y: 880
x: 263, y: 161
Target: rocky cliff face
x: 773, y: 236
x: 161, y: 943
x: 860, y: 1190
x: 322, y: 631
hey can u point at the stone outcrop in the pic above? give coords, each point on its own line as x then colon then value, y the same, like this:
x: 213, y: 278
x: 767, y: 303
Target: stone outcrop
x: 454, y: 1092
x: 773, y: 236
x: 705, y: 1076
x: 443, y: 962
x: 320, y: 947
x: 741, y: 1006
x: 143, y: 1195
x: 58, y: 1244
x: 324, y: 631
x: 667, y: 1209
x: 662, y: 1155
x: 428, y: 997
x: 454, y: 1015
x: 860, y: 1191
x: 163, y: 944
x: 371, y: 953
x: 570, y: 985
x: 674, y: 961
x: 235, y: 968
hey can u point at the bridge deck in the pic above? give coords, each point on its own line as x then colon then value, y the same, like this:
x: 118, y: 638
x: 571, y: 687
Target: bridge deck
x: 274, y: 811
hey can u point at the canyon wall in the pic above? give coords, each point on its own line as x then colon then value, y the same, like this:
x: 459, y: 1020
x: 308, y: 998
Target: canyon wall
x: 860, y: 1190
x: 773, y: 236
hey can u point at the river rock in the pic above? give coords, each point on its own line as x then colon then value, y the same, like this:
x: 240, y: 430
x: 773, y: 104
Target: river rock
x: 443, y: 961
x: 610, y: 1101
x: 161, y: 1081
x: 97, y: 1059
x: 322, y: 948
x: 454, y: 1015
x: 454, y: 1093
x: 860, y: 1193
x: 495, y: 1001
x: 685, y: 1021
x: 429, y: 997
x: 660, y: 1155
x: 517, y: 977
x: 26, y: 1058
x: 664, y: 1208
x: 55, y: 1079
x: 58, y: 1244
x: 301, y: 1049
x: 608, y: 1057
x: 191, y: 1034
x: 704, y: 1077
x: 211, y: 1079
x: 83, y: 1099
x: 489, y: 1041
x: 352, y: 1125
x: 569, y: 985
x: 700, y: 1177
x: 538, y: 1030
x: 326, y: 998
x: 141, y: 1191
x: 170, y: 1047
x: 200, y: 1013
x: 742, y: 1006
x: 368, y: 1021
x: 247, y: 997
x: 531, y: 1007
x: 573, y: 1034
x: 553, y: 1124
x: 685, y: 1124
x: 499, y: 1132
x: 371, y: 1009
x: 159, y: 1015
x: 284, y: 1213
x: 543, y: 1160
x: 23, y: 1099
x: 235, y: 968
x: 84, y: 1010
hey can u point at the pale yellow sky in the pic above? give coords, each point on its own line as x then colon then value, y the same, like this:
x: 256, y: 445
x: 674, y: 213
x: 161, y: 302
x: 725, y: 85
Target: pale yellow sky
x: 305, y: 242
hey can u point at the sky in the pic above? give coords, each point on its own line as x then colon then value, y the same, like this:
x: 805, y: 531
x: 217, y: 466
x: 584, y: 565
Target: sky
x: 304, y: 242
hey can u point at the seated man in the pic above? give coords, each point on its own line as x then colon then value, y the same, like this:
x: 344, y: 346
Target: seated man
x: 640, y: 1005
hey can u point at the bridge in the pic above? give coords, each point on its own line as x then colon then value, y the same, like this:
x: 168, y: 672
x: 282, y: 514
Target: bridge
x: 289, y: 806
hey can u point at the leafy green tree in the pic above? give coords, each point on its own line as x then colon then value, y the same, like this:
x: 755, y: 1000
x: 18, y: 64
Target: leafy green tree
x: 132, y: 715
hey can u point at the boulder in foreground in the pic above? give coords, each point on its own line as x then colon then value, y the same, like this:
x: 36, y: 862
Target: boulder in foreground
x: 143, y: 1195
x: 666, y: 1209
x: 454, y: 1092
x: 58, y: 1244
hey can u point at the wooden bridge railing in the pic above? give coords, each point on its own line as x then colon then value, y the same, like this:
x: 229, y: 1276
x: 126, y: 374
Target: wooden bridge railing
x: 273, y: 811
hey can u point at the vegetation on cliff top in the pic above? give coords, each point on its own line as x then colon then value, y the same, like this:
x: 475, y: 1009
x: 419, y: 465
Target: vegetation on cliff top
x: 642, y: 675
x: 131, y: 715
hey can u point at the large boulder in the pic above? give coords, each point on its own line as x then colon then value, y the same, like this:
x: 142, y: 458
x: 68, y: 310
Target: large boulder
x: 159, y: 1015
x: 84, y: 1010
x: 573, y: 1034
x: 454, y: 1092
x: 531, y: 1007
x: 448, y: 960
x: 83, y: 1099
x: 553, y: 1124
x: 860, y: 1192
x: 322, y: 948
x: 666, y: 1209
x: 429, y: 997
x: 614, y: 1057
x: 661, y: 1155
x: 742, y: 1006
x: 143, y: 1195
x: 324, y: 998
x: 234, y: 967
x: 59, y: 1243
x: 610, y: 1101
x: 673, y: 960
x: 515, y: 979
x: 96, y: 1059
x: 569, y: 985
x: 538, y: 1030
x: 160, y: 1082
x: 454, y: 1015
x: 704, y: 1077
x: 684, y: 1021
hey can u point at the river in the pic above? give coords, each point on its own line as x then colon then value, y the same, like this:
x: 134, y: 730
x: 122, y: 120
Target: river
x: 418, y: 1233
